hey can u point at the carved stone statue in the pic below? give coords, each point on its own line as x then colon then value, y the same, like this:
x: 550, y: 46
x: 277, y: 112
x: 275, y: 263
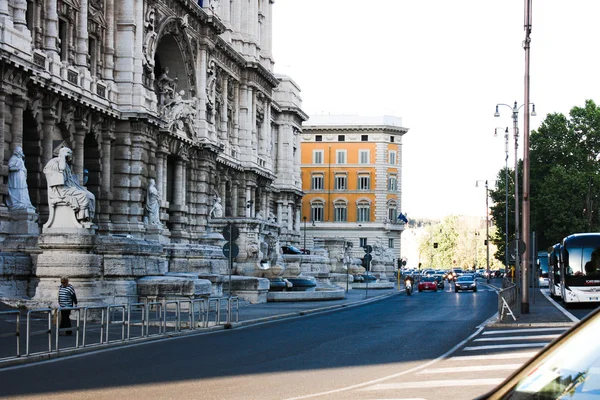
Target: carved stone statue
x: 153, y: 204
x: 217, y: 208
x: 63, y: 187
x: 166, y: 87
x: 260, y: 215
x: 178, y: 108
x: 18, y: 193
x: 272, y: 217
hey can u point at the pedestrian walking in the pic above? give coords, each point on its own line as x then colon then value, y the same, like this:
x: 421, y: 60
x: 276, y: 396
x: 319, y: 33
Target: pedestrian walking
x: 66, y: 298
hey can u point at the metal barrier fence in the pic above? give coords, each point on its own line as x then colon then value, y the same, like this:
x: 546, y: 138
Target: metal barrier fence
x: 115, y: 323
x: 508, y: 301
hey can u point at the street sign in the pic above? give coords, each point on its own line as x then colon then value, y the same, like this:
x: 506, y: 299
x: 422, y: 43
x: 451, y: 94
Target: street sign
x: 235, y: 232
x: 368, y: 249
x: 368, y: 257
x: 231, y: 247
x: 512, y: 247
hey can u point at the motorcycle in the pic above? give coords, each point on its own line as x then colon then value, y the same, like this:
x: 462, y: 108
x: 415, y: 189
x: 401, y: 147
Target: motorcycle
x: 408, y: 286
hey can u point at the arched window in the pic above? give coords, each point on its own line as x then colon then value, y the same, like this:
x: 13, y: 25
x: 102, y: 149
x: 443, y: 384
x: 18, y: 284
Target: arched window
x: 340, y: 211
x: 363, y: 211
x: 316, y: 211
x: 392, y: 208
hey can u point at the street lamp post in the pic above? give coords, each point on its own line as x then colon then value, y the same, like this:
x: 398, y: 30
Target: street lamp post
x: 487, y: 229
x: 506, y: 197
x: 515, y: 116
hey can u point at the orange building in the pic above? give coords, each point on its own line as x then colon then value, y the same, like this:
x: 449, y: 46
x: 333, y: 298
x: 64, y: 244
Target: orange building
x: 352, y: 174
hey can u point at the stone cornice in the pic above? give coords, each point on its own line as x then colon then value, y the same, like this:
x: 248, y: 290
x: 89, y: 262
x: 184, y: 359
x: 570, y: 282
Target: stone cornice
x: 308, y: 129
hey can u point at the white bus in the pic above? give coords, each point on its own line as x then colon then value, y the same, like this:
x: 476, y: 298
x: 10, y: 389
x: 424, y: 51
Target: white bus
x: 554, y: 271
x: 580, y: 268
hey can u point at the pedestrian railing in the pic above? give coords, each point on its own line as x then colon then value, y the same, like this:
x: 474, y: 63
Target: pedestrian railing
x: 108, y: 325
x: 16, y: 333
x: 507, y: 302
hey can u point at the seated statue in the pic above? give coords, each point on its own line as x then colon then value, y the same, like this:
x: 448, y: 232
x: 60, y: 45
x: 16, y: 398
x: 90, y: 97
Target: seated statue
x: 63, y: 187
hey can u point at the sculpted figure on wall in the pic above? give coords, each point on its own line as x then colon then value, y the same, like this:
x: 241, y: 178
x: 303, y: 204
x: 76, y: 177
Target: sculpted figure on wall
x: 63, y: 187
x: 153, y: 204
x: 18, y: 193
x: 217, y: 208
x: 178, y: 109
x: 166, y: 87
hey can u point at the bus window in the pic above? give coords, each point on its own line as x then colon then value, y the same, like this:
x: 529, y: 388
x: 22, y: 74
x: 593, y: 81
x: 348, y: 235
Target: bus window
x: 592, y: 267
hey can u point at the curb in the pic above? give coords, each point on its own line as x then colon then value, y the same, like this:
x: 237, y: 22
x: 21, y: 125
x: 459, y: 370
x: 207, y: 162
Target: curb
x: 503, y: 325
x: 302, y: 313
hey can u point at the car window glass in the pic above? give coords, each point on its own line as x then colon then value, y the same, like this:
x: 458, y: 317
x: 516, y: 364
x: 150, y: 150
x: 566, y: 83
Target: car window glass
x: 571, y: 372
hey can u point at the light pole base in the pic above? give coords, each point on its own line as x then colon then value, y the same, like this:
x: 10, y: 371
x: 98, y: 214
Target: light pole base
x: 524, y: 308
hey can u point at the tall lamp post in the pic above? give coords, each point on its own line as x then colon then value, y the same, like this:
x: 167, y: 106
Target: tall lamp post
x: 515, y: 116
x: 487, y: 228
x: 506, y: 199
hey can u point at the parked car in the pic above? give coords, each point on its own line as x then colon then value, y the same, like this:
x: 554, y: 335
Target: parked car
x: 465, y: 282
x: 289, y: 249
x: 427, y: 283
x: 566, y: 369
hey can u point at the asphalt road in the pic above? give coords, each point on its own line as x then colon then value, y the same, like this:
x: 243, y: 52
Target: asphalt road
x: 324, y: 353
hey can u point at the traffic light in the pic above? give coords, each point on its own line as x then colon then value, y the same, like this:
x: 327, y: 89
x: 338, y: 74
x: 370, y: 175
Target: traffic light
x: 435, y: 245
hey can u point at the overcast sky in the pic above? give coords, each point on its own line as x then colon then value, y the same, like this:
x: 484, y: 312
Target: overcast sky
x: 442, y: 66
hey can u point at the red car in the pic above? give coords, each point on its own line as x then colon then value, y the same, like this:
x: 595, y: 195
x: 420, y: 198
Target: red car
x: 428, y: 283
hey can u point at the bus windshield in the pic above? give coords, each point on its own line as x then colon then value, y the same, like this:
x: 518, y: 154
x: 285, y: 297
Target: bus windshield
x: 583, y: 261
x: 543, y: 263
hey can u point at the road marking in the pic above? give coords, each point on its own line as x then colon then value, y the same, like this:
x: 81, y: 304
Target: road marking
x: 530, y: 337
x: 431, y: 384
x: 472, y: 368
x: 385, y: 378
x: 505, y: 346
x: 546, y: 294
x: 497, y: 332
x: 505, y: 356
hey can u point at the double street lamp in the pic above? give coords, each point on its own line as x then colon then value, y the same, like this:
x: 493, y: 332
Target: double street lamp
x: 518, y: 246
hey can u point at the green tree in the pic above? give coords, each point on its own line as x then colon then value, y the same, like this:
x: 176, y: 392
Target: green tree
x: 564, y: 180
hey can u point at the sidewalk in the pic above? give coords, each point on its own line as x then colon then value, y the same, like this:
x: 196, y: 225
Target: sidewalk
x: 542, y: 312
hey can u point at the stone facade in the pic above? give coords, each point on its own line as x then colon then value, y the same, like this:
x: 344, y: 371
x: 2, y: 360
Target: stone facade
x: 182, y: 92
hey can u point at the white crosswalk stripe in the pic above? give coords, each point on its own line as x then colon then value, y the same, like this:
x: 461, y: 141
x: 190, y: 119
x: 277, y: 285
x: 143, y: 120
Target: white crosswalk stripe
x: 482, y: 363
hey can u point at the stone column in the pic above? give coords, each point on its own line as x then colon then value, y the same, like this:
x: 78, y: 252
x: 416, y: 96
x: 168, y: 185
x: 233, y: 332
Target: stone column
x: 223, y: 193
x: 290, y: 218
x: 178, y: 185
x: 82, y: 35
x: 51, y: 26
x: 109, y: 50
x: 18, y: 105
x: 234, y: 199
x: 224, y: 117
x: 78, y: 151
x: 202, y: 67
x: 279, y: 211
x: 19, y: 14
x: 161, y: 181
x: 249, y: 210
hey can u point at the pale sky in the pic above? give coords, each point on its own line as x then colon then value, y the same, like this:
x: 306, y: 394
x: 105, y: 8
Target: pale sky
x: 442, y: 66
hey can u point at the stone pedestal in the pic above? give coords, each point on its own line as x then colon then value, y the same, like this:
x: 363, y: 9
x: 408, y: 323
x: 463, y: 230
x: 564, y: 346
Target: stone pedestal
x: 69, y: 255
x: 22, y: 222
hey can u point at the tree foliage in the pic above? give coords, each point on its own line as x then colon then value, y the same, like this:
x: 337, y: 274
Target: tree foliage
x: 564, y: 179
x: 460, y: 244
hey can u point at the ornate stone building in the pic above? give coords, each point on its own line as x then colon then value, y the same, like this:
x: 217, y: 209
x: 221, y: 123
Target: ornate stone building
x: 177, y: 91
